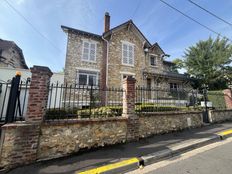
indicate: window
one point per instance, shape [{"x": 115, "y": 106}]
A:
[
  {"x": 125, "y": 76},
  {"x": 153, "y": 61},
  {"x": 157, "y": 84},
  {"x": 174, "y": 86},
  {"x": 127, "y": 54},
  {"x": 87, "y": 78},
  {"x": 89, "y": 51}
]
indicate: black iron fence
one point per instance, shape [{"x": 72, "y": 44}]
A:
[
  {"x": 75, "y": 101},
  {"x": 20, "y": 108},
  {"x": 161, "y": 100}
]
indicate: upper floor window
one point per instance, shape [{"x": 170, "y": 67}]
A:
[
  {"x": 153, "y": 61},
  {"x": 89, "y": 51},
  {"x": 127, "y": 53}
]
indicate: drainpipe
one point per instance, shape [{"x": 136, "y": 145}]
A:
[{"x": 107, "y": 50}]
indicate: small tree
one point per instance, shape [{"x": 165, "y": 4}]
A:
[{"x": 209, "y": 62}]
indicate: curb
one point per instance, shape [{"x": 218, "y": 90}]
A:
[
  {"x": 176, "y": 150},
  {"x": 135, "y": 163},
  {"x": 115, "y": 168},
  {"x": 225, "y": 134}
]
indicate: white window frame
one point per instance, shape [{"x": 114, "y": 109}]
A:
[
  {"x": 88, "y": 74},
  {"x": 95, "y": 55},
  {"x": 177, "y": 86},
  {"x": 133, "y": 53},
  {"x": 126, "y": 74},
  {"x": 156, "y": 60}
]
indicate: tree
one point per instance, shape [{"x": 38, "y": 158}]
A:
[{"x": 209, "y": 62}]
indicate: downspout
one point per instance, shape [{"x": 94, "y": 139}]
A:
[{"x": 107, "y": 50}]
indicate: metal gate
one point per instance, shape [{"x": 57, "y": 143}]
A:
[{"x": 13, "y": 99}]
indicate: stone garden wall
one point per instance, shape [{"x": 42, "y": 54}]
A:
[
  {"x": 157, "y": 123},
  {"x": 62, "y": 138},
  {"x": 216, "y": 116}
]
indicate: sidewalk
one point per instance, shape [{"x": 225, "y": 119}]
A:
[{"x": 87, "y": 160}]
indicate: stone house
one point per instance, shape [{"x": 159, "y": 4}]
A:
[
  {"x": 11, "y": 55},
  {"x": 122, "y": 51}
]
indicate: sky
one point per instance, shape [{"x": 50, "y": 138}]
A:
[{"x": 44, "y": 43}]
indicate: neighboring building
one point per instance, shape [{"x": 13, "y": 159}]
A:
[
  {"x": 119, "y": 52},
  {"x": 11, "y": 55}
]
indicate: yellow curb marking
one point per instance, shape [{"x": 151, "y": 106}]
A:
[
  {"x": 110, "y": 166},
  {"x": 227, "y": 132}
]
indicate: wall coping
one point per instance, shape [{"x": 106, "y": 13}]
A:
[
  {"x": 168, "y": 113},
  {"x": 221, "y": 110},
  {"x": 17, "y": 124},
  {"x": 82, "y": 121}
]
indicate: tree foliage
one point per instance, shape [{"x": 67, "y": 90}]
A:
[{"x": 209, "y": 62}]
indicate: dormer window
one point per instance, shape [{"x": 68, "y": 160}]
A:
[{"x": 153, "y": 61}]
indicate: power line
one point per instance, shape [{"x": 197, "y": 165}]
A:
[
  {"x": 136, "y": 9},
  {"x": 211, "y": 13},
  {"x": 28, "y": 22},
  {"x": 194, "y": 20}
]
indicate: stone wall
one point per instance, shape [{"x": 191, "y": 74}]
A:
[
  {"x": 63, "y": 138},
  {"x": 219, "y": 115},
  {"x": 157, "y": 123},
  {"x": 18, "y": 144}
]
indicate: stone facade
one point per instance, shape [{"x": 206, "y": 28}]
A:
[
  {"x": 109, "y": 54},
  {"x": 220, "y": 115},
  {"x": 61, "y": 139},
  {"x": 158, "y": 123},
  {"x": 74, "y": 61}
]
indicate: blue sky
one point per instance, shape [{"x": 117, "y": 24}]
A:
[{"x": 158, "y": 22}]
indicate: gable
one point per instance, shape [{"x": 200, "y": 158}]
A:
[{"x": 129, "y": 25}]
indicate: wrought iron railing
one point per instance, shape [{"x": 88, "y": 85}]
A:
[
  {"x": 75, "y": 101},
  {"x": 21, "y": 100}
]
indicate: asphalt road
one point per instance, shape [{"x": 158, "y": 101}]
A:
[{"x": 215, "y": 161}]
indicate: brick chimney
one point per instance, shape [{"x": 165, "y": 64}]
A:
[{"x": 107, "y": 22}]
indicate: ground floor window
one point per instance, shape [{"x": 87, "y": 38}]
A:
[
  {"x": 174, "y": 86},
  {"x": 89, "y": 78}
]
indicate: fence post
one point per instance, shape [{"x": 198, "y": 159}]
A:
[
  {"x": 38, "y": 94},
  {"x": 228, "y": 98},
  {"x": 20, "y": 140},
  {"x": 129, "y": 109}
]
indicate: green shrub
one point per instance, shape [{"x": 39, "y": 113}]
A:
[{"x": 217, "y": 99}]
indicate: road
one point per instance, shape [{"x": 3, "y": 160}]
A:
[{"x": 212, "y": 159}]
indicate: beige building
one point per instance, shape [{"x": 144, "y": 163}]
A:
[
  {"x": 119, "y": 52},
  {"x": 11, "y": 55}
]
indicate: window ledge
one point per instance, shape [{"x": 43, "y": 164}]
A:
[
  {"x": 128, "y": 65},
  {"x": 89, "y": 61}
]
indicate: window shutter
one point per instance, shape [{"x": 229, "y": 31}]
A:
[
  {"x": 125, "y": 53},
  {"x": 85, "y": 55},
  {"x": 131, "y": 55},
  {"x": 92, "y": 51}
]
